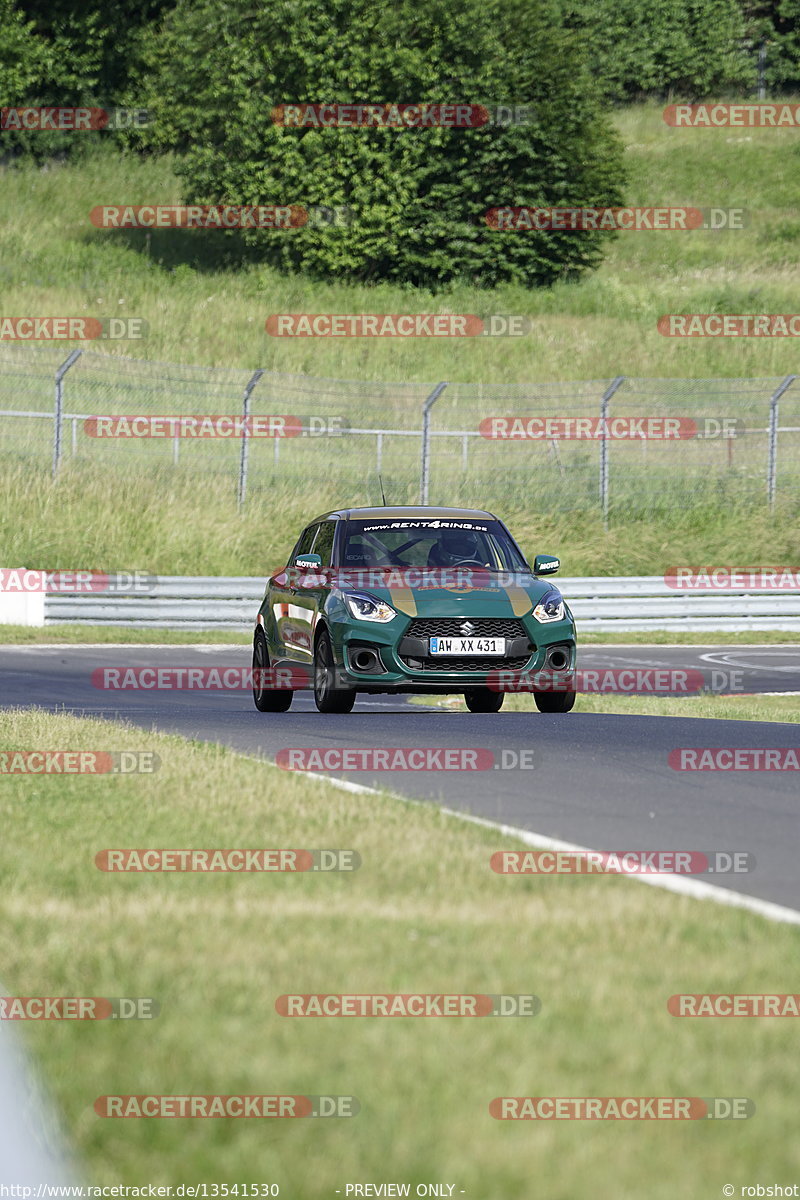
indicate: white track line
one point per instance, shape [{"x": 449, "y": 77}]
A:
[{"x": 695, "y": 888}]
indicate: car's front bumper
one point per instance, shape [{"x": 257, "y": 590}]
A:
[{"x": 404, "y": 665}]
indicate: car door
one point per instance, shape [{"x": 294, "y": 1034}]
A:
[
  {"x": 289, "y": 614},
  {"x": 314, "y": 585}
]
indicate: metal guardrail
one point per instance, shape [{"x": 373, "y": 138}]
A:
[{"x": 605, "y": 603}]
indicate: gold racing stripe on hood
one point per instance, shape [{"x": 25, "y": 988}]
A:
[
  {"x": 519, "y": 600},
  {"x": 402, "y": 598}
]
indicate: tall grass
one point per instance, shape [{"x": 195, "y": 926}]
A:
[
  {"x": 206, "y": 301},
  {"x": 174, "y": 522}
]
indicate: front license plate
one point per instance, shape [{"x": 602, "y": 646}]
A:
[{"x": 467, "y": 645}]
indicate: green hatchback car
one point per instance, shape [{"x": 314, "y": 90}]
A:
[{"x": 414, "y": 599}]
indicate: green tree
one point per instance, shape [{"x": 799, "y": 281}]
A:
[
  {"x": 418, "y": 197},
  {"x": 25, "y": 58},
  {"x": 62, "y": 53},
  {"x": 776, "y": 24},
  {"x": 97, "y": 46},
  {"x": 688, "y": 48}
]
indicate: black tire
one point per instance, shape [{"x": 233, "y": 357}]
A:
[
  {"x": 483, "y": 700},
  {"x": 554, "y": 702},
  {"x": 327, "y": 697},
  {"x": 267, "y": 699}
]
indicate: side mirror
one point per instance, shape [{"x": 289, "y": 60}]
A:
[
  {"x": 308, "y": 560},
  {"x": 545, "y": 564}
]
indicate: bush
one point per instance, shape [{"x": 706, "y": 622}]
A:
[
  {"x": 688, "y": 49},
  {"x": 418, "y": 196},
  {"x": 781, "y": 31},
  {"x": 57, "y": 53}
]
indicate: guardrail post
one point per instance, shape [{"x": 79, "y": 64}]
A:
[
  {"x": 772, "y": 453},
  {"x": 243, "y": 454},
  {"x": 59, "y": 408},
  {"x": 609, "y": 392},
  {"x": 426, "y": 441}
]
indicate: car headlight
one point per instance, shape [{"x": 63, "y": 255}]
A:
[
  {"x": 550, "y": 607},
  {"x": 367, "y": 608}
]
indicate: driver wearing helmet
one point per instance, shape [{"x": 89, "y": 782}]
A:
[{"x": 455, "y": 546}]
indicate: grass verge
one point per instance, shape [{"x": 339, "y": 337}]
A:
[
  {"x": 104, "y": 634},
  {"x": 720, "y": 708},
  {"x": 424, "y": 913}
]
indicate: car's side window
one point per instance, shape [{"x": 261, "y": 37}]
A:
[
  {"x": 304, "y": 544},
  {"x": 324, "y": 542}
]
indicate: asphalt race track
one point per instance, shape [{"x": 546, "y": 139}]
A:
[{"x": 599, "y": 781}]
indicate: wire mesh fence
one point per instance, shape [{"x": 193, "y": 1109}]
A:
[
  {"x": 624, "y": 446},
  {"x": 652, "y": 445}
]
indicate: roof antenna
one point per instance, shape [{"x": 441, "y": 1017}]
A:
[{"x": 383, "y": 498}]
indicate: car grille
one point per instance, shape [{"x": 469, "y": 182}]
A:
[
  {"x": 453, "y": 666},
  {"x": 505, "y": 627}
]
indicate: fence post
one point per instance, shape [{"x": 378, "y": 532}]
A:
[
  {"x": 59, "y": 409},
  {"x": 607, "y": 394},
  {"x": 251, "y": 383},
  {"x": 772, "y": 454},
  {"x": 762, "y": 70},
  {"x": 426, "y": 440}
]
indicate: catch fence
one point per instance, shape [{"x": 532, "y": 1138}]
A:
[{"x": 626, "y": 446}]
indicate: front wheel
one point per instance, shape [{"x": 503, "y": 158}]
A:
[
  {"x": 266, "y": 699},
  {"x": 483, "y": 700},
  {"x": 554, "y": 702},
  {"x": 327, "y": 697}
]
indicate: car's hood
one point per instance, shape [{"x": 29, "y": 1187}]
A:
[{"x": 481, "y": 594}]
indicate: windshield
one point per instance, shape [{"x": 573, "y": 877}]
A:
[{"x": 429, "y": 542}]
